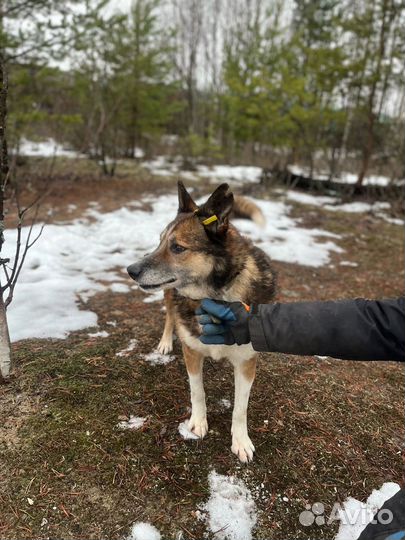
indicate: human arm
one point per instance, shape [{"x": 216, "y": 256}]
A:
[{"x": 349, "y": 329}]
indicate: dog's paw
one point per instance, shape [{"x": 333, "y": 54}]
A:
[
  {"x": 165, "y": 345},
  {"x": 198, "y": 426},
  {"x": 243, "y": 447}
]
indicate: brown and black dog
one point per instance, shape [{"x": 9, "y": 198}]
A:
[{"x": 201, "y": 255}]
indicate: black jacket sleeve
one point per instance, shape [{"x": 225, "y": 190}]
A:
[
  {"x": 384, "y": 528},
  {"x": 348, "y": 329}
]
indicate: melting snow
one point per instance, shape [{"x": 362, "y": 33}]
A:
[
  {"x": 70, "y": 260},
  {"x": 225, "y": 403},
  {"x": 233, "y": 174},
  {"x": 153, "y": 297},
  {"x": 134, "y": 422},
  {"x": 389, "y": 219},
  {"x": 143, "y": 531},
  {"x": 284, "y": 240},
  {"x": 185, "y": 432},
  {"x": 119, "y": 287},
  {"x": 332, "y": 204},
  {"x": 345, "y": 177},
  {"x": 355, "y": 515},
  {"x": 358, "y": 207},
  {"x": 131, "y": 346},
  {"x": 156, "y": 358},
  {"x": 47, "y": 148},
  {"x": 101, "y": 333},
  {"x": 306, "y": 198},
  {"x": 230, "y": 510}
]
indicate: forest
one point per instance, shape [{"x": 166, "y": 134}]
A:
[{"x": 317, "y": 83}]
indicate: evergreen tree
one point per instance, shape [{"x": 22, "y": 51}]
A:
[{"x": 142, "y": 71}]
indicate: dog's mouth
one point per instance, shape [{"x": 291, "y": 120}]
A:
[{"x": 155, "y": 286}]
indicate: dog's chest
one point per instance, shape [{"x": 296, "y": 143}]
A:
[{"x": 233, "y": 353}]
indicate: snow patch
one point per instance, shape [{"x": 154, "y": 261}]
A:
[
  {"x": 101, "y": 333},
  {"x": 134, "y": 422},
  {"x": 332, "y": 204},
  {"x": 233, "y": 174},
  {"x": 119, "y": 287},
  {"x": 348, "y": 263},
  {"x": 230, "y": 510},
  {"x": 157, "y": 359},
  {"x": 225, "y": 403},
  {"x": 344, "y": 177},
  {"x": 156, "y": 296},
  {"x": 358, "y": 207},
  {"x": 47, "y": 148},
  {"x": 355, "y": 515},
  {"x": 143, "y": 531},
  {"x": 238, "y": 174},
  {"x": 139, "y": 153},
  {"x": 185, "y": 432},
  {"x": 306, "y": 198},
  {"x": 283, "y": 240},
  {"x": 388, "y": 219},
  {"x": 131, "y": 346}
]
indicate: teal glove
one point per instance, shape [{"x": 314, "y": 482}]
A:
[{"x": 223, "y": 323}]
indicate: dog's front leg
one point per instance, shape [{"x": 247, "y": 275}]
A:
[
  {"x": 194, "y": 363},
  {"x": 245, "y": 372},
  {"x": 166, "y": 343}
]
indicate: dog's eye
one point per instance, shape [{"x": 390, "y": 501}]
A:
[{"x": 177, "y": 248}]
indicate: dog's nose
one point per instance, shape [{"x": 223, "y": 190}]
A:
[{"x": 134, "y": 270}]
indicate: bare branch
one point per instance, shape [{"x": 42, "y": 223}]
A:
[{"x": 17, "y": 267}]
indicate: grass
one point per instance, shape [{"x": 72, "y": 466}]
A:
[{"x": 323, "y": 429}]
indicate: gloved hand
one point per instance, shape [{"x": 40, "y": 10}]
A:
[{"x": 223, "y": 323}]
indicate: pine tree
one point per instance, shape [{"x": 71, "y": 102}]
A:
[{"x": 142, "y": 71}]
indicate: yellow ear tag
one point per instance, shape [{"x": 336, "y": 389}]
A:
[{"x": 210, "y": 220}]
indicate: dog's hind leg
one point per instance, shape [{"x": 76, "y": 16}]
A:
[
  {"x": 166, "y": 342},
  {"x": 245, "y": 372},
  {"x": 194, "y": 362}
]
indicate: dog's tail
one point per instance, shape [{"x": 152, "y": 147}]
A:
[{"x": 247, "y": 209}]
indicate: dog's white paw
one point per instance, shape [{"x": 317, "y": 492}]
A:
[
  {"x": 165, "y": 345},
  {"x": 199, "y": 426},
  {"x": 243, "y": 447}
]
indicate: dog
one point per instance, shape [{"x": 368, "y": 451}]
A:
[
  {"x": 241, "y": 208},
  {"x": 202, "y": 255}
]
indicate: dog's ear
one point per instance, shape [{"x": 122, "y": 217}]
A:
[
  {"x": 215, "y": 211},
  {"x": 186, "y": 203}
]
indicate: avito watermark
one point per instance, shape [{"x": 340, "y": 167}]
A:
[{"x": 315, "y": 514}]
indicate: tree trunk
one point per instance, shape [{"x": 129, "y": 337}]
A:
[
  {"x": 5, "y": 349},
  {"x": 343, "y": 145},
  {"x": 368, "y": 149}
]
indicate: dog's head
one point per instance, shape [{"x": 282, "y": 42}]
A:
[{"x": 191, "y": 248}]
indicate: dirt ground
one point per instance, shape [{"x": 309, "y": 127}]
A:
[{"x": 323, "y": 429}]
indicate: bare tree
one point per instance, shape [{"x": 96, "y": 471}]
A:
[
  {"x": 5, "y": 357},
  {"x": 10, "y": 269},
  {"x": 189, "y": 17}
]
